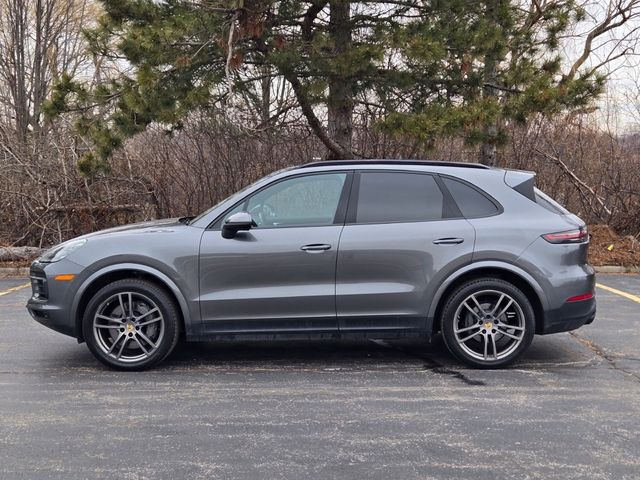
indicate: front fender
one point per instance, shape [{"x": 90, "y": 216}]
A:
[{"x": 189, "y": 315}]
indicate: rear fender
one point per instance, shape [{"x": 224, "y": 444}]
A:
[{"x": 468, "y": 270}]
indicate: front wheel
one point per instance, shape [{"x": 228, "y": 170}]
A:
[
  {"x": 131, "y": 324},
  {"x": 488, "y": 323}
]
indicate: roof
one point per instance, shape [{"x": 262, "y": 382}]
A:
[{"x": 432, "y": 163}]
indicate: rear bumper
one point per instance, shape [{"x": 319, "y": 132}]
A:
[
  {"x": 562, "y": 273},
  {"x": 570, "y": 316}
]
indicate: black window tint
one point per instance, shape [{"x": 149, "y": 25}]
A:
[
  {"x": 398, "y": 197},
  {"x": 471, "y": 202}
]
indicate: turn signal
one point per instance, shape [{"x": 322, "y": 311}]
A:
[{"x": 67, "y": 277}]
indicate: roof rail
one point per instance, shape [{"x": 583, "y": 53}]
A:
[{"x": 432, "y": 163}]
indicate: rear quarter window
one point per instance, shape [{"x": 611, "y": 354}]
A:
[
  {"x": 549, "y": 203},
  {"x": 471, "y": 202}
]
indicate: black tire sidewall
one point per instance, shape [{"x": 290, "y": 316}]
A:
[
  {"x": 460, "y": 294},
  {"x": 164, "y": 302}
]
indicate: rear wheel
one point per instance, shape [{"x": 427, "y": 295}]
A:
[
  {"x": 131, "y": 324},
  {"x": 488, "y": 323}
]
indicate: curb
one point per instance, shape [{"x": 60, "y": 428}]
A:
[
  {"x": 616, "y": 269},
  {"x": 14, "y": 272}
]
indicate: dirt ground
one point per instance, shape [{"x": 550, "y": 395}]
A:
[{"x": 609, "y": 248}]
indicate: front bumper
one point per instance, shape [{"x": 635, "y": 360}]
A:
[
  {"x": 51, "y": 300},
  {"x": 52, "y": 316}
]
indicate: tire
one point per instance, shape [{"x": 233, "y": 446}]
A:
[
  {"x": 491, "y": 331},
  {"x": 131, "y": 324}
]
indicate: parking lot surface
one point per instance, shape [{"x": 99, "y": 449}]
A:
[{"x": 569, "y": 409}]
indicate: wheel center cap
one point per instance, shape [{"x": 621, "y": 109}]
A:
[
  {"x": 488, "y": 325},
  {"x": 130, "y": 327}
]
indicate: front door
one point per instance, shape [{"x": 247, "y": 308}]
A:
[{"x": 279, "y": 276}]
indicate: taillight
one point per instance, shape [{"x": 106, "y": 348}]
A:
[
  {"x": 579, "y": 298},
  {"x": 570, "y": 236}
]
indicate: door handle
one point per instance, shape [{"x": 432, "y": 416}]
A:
[
  {"x": 448, "y": 241},
  {"x": 315, "y": 247}
]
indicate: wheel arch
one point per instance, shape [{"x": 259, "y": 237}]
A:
[
  {"x": 112, "y": 273},
  {"x": 511, "y": 273}
]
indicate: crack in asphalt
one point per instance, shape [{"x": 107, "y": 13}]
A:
[
  {"x": 455, "y": 374},
  {"x": 624, "y": 357},
  {"x": 599, "y": 351},
  {"x": 432, "y": 365}
]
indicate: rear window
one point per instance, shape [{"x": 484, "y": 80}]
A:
[
  {"x": 471, "y": 202},
  {"x": 386, "y": 197},
  {"x": 549, "y": 203}
]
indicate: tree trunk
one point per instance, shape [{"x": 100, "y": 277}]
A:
[
  {"x": 340, "y": 101},
  {"x": 265, "y": 95},
  {"x": 488, "y": 150}
]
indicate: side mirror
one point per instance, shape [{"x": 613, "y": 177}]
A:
[{"x": 235, "y": 223}]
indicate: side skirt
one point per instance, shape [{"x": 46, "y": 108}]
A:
[{"x": 382, "y": 334}]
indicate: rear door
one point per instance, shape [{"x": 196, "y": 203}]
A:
[{"x": 402, "y": 235}]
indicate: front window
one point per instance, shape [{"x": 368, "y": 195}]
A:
[{"x": 310, "y": 200}]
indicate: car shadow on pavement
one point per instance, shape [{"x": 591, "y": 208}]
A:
[
  {"x": 344, "y": 354},
  {"x": 327, "y": 355},
  {"x": 310, "y": 354}
]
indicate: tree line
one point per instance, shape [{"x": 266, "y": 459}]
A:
[{"x": 119, "y": 110}]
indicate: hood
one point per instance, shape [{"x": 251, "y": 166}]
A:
[{"x": 153, "y": 226}]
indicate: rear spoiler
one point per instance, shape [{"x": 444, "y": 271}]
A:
[{"x": 521, "y": 181}]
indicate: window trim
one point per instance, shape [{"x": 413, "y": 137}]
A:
[
  {"x": 338, "y": 219},
  {"x": 451, "y": 208},
  {"x": 499, "y": 207}
]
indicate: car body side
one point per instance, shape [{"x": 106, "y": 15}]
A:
[{"x": 168, "y": 252}]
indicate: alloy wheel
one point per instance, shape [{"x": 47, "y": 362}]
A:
[
  {"x": 489, "y": 325},
  {"x": 128, "y": 327}
]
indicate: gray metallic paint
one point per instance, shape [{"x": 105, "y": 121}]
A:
[
  {"x": 469, "y": 269},
  {"x": 387, "y": 273},
  {"x": 374, "y": 278},
  {"x": 164, "y": 249},
  {"x": 188, "y": 309},
  {"x": 263, "y": 277}
]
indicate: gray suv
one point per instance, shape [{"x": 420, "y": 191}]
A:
[{"x": 373, "y": 249}]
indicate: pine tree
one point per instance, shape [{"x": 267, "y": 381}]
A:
[
  {"x": 488, "y": 63},
  {"x": 439, "y": 67}
]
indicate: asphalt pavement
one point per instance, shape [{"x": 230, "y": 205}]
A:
[{"x": 569, "y": 409}]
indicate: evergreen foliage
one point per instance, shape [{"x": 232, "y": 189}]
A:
[{"x": 434, "y": 67}]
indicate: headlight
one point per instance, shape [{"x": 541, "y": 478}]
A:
[{"x": 60, "y": 251}]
